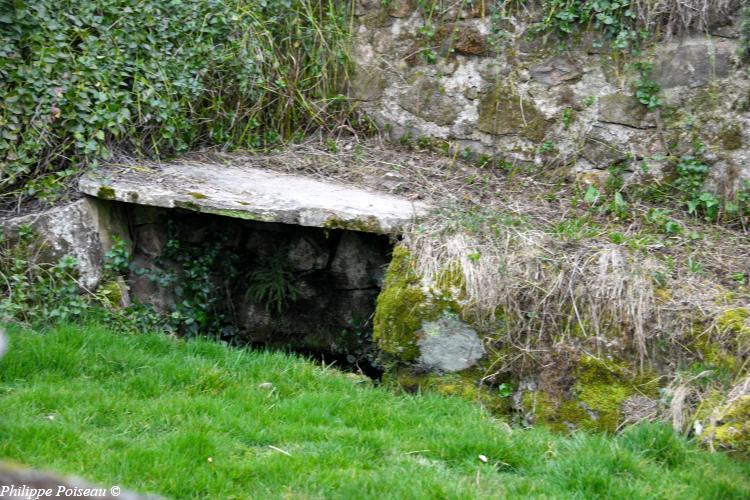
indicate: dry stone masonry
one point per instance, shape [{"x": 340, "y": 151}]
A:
[{"x": 540, "y": 105}]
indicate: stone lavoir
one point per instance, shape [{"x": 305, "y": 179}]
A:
[
  {"x": 255, "y": 256},
  {"x": 262, "y": 258}
]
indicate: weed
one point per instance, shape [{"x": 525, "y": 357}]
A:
[
  {"x": 659, "y": 218},
  {"x": 592, "y": 196},
  {"x": 547, "y": 147},
  {"x": 117, "y": 259},
  {"x": 37, "y": 292},
  {"x": 705, "y": 203},
  {"x": 272, "y": 283},
  {"x": 646, "y": 89},
  {"x": 694, "y": 266},
  {"x": 739, "y": 277},
  {"x": 691, "y": 174},
  {"x": 331, "y": 146},
  {"x": 568, "y": 115}
]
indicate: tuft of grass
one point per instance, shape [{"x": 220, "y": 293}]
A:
[{"x": 195, "y": 419}]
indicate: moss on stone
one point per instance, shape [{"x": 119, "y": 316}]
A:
[
  {"x": 450, "y": 285},
  {"x": 731, "y": 136},
  {"x": 197, "y": 196},
  {"x": 709, "y": 403},
  {"x": 366, "y": 225},
  {"x": 112, "y": 293},
  {"x": 400, "y": 308},
  {"x": 713, "y": 353},
  {"x": 735, "y": 321},
  {"x": 464, "y": 385},
  {"x": 600, "y": 388},
  {"x": 504, "y": 112},
  {"x": 405, "y": 304},
  {"x": 188, "y": 205},
  {"x": 731, "y": 430},
  {"x": 543, "y": 409},
  {"x": 106, "y": 193}
]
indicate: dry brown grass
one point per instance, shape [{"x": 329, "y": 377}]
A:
[
  {"x": 676, "y": 17},
  {"x": 666, "y": 18}
]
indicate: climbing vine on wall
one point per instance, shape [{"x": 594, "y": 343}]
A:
[{"x": 81, "y": 77}]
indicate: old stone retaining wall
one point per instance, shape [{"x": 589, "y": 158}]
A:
[{"x": 557, "y": 104}]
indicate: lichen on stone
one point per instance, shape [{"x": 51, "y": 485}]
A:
[
  {"x": 504, "y": 112},
  {"x": 106, "y": 193},
  {"x": 406, "y": 302},
  {"x": 731, "y": 136}
]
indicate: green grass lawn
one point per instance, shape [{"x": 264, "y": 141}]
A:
[{"x": 191, "y": 419}]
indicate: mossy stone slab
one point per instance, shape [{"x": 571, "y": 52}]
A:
[{"x": 254, "y": 194}]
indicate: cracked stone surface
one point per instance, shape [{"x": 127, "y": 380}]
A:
[{"x": 254, "y": 194}]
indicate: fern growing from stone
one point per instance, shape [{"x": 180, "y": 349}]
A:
[{"x": 272, "y": 284}]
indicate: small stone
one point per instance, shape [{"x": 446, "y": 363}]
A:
[
  {"x": 622, "y": 109},
  {"x": 81, "y": 229},
  {"x": 401, "y": 8},
  {"x": 359, "y": 262},
  {"x": 471, "y": 93},
  {"x": 265, "y": 385},
  {"x": 503, "y": 112},
  {"x": 694, "y": 63},
  {"x": 468, "y": 40},
  {"x": 427, "y": 100},
  {"x": 367, "y": 83},
  {"x": 483, "y": 459},
  {"x": 555, "y": 70},
  {"x": 145, "y": 287},
  {"x": 151, "y": 239},
  {"x": 449, "y": 345},
  {"x": 307, "y": 254}
]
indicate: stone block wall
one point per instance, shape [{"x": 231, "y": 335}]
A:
[
  {"x": 333, "y": 276},
  {"x": 553, "y": 104}
]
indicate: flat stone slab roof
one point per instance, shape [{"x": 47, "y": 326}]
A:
[{"x": 254, "y": 194}]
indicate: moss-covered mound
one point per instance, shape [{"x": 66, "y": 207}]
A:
[{"x": 578, "y": 332}]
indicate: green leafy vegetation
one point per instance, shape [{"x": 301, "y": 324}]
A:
[
  {"x": 207, "y": 420},
  {"x": 79, "y": 78},
  {"x": 191, "y": 270},
  {"x": 272, "y": 283},
  {"x": 647, "y": 90},
  {"x": 615, "y": 20},
  {"x": 33, "y": 292}
]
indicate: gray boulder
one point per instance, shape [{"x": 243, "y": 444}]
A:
[
  {"x": 449, "y": 345},
  {"x": 84, "y": 229}
]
